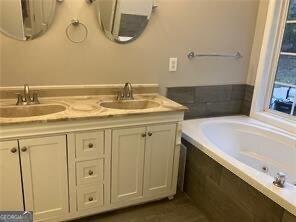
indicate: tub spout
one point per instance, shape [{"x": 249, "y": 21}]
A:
[{"x": 280, "y": 180}]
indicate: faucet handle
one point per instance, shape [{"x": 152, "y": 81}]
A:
[
  {"x": 35, "y": 99},
  {"x": 280, "y": 179},
  {"x": 119, "y": 95},
  {"x": 20, "y": 99},
  {"x": 281, "y": 176}
]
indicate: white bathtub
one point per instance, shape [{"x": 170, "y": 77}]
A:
[{"x": 246, "y": 146}]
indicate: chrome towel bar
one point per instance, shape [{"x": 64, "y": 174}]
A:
[{"x": 192, "y": 55}]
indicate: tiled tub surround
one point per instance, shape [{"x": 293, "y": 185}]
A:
[
  {"x": 247, "y": 100},
  {"x": 224, "y": 168},
  {"x": 223, "y": 196},
  {"x": 217, "y": 100}
]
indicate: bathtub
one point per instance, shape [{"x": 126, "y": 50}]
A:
[{"x": 252, "y": 150}]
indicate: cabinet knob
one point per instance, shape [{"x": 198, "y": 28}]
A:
[
  {"x": 13, "y": 150},
  {"x": 143, "y": 134},
  {"x": 24, "y": 149},
  {"x": 90, "y": 172},
  {"x": 90, "y": 199},
  {"x": 90, "y": 145},
  {"x": 149, "y": 134}
]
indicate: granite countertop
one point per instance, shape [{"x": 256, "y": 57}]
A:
[{"x": 86, "y": 107}]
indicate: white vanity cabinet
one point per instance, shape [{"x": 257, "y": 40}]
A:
[
  {"x": 89, "y": 171},
  {"x": 128, "y": 149},
  {"x": 142, "y": 162},
  {"x": 11, "y": 195},
  {"x": 44, "y": 173},
  {"x": 42, "y": 162},
  {"x": 71, "y": 169},
  {"x": 159, "y": 159}
]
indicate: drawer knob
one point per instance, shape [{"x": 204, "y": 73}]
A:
[
  {"x": 90, "y": 172},
  {"x": 90, "y": 145},
  {"x": 149, "y": 134},
  {"x": 90, "y": 199},
  {"x": 143, "y": 134},
  {"x": 24, "y": 149},
  {"x": 13, "y": 150}
]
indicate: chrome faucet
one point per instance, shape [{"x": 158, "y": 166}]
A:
[
  {"x": 126, "y": 93},
  {"x": 280, "y": 180},
  {"x": 27, "y": 98}
]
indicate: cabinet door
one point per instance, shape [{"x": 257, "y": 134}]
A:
[
  {"x": 127, "y": 164},
  {"x": 11, "y": 196},
  {"x": 159, "y": 158},
  {"x": 44, "y": 168}
]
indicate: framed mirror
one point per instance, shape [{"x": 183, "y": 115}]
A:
[
  {"x": 123, "y": 21},
  {"x": 26, "y": 19}
]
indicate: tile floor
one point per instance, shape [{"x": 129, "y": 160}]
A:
[{"x": 180, "y": 209}]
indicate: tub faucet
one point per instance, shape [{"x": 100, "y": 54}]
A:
[
  {"x": 27, "y": 98},
  {"x": 280, "y": 180},
  {"x": 126, "y": 93}
]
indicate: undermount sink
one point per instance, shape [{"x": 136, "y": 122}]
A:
[
  {"x": 130, "y": 104},
  {"x": 30, "y": 110}
]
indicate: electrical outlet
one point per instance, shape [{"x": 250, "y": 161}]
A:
[{"x": 173, "y": 64}]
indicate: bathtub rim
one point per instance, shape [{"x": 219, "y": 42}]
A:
[{"x": 285, "y": 197}]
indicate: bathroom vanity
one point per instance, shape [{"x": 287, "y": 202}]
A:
[{"x": 89, "y": 158}]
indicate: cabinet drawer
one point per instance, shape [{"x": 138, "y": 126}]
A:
[
  {"x": 90, "y": 144},
  {"x": 90, "y": 171},
  {"x": 90, "y": 196}
]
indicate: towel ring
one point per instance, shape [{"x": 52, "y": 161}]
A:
[{"x": 76, "y": 23}]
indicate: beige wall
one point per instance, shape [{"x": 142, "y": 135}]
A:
[
  {"x": 257, "y": 43},
  {"x": 175, "y": 27}
]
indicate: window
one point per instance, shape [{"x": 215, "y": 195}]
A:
[
  {"x": 275, "y": 87},
  {"x": 283, "y": 96}
]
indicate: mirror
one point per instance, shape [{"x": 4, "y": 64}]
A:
[
  {"x": 123, "y": 21},
  {"x": 26, "y": 19}
]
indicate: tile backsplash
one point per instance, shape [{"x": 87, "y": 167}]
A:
[{"x": 217, "y": 100}]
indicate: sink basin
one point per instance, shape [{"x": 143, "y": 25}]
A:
[
  {"x": 130, "y": 104},
  {"x": 29, "y": 111}
]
